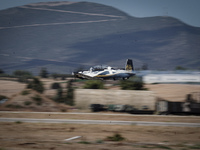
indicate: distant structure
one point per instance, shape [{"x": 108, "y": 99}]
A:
[{"x": 171, "y": 78}]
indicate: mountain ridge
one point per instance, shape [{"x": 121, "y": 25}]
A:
[{"x": 64, "y": 36}]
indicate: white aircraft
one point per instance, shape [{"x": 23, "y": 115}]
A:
[{"x": 107, "y": 72}]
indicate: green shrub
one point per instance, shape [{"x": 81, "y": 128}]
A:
[
  {"x": 22, "y": 73},
  {"x": 22, "y": 79},
  {"x": 69, "y": 100},
  {"x": 63, "y": 110},
  {"x": 197, "y": 146},
  {"x": 14, "y": 106},
  {"x": 134, "y": 84},
  {"x": 115, "y": 137},
  {"x": 99, "y": 141},
  {"x": 180, "y": 68},
  {"x": 3, "y": 97},
  {"x": 18, "y": 122},
  {"x": 9, "y": 105},
  {"x": 37, "y": 99},
  {"x": 84, "y": 142},
  {"x": 36, "y": 85},
  {"x": 162, "y": 147},
  {"x": 94, "y": 84},
  {"x": 70, "y": 97},
  {"x": 59, "y": 96},
  {"x": 55, "y": 86},
  {"x": 1, "y": 71},
  {"x": 27, "y": 103},
  {"x": 25, "y": 92},
  {"x": 43, "y": 73}
]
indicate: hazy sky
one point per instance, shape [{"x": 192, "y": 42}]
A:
[{"x": 187, "y": 11}]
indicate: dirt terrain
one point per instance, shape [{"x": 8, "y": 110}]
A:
[
  {"x": 10, "y": 88},
  {"x": 46, "y": 136},
  {"x": 13, "y": 90},
  {"x": 174, "y": 92},
  {"x": 41, "y": 136},
  {"x": 22, "y": 99}
]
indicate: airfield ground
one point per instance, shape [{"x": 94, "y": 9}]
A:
[
  {"x": 47, "y": 136},
  {"x": 44, "y": 136},
  {"x": 102, "y": 116}
]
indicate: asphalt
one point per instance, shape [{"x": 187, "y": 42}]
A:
[
  {"x": 104, "y": 114},
  {"x": 106, "y": 122}
]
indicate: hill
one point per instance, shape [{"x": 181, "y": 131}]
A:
[
  {"x": 29, "y": 100},
  {"x": 63, "y": 36}
]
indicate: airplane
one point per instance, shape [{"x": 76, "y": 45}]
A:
[{"x": 107, "y": 72}]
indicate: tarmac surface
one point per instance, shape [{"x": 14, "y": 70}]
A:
[{"x": 75, "y": 121}]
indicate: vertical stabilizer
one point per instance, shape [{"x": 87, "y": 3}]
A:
[{"x": 129, "y": 65}]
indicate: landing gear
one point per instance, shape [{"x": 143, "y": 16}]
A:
[{"x": 125, "y": 78}]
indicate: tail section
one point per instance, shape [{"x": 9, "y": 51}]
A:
[{"x": 129, "y": 65}]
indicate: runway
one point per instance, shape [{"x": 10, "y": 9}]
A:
[
  {"x": 105, "y": 122},
  {"x": 98, "y": 114}
]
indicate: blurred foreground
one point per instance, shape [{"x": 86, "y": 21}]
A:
[{"x": 43, "y": 136}]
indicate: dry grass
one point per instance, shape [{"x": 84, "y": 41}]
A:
[
  {"x": 25, "y": 136},
  {"x": 173, "y": 92},
  {"x": 25, "y": 102},
  {"x": 10, "y": 88},
  {"x": 41, "y": 136},
  {"x": 13, "y": 89}
]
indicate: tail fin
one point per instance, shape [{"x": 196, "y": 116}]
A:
[{"x": 129, "y": 65}]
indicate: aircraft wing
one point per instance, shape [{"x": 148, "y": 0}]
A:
[{"x": 83, "y": 76}]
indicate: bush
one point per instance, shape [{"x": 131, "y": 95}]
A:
[
  {"x": 55, "y": 86},
  {"x": 18, "y": 122},
  {"x": 70, "y": 97},
  {"x": 62, "y": 76},
  {"x": 25, "y": 92},
  {"x": 43, "y": 73},
  {"x": 27, "y": 103},
  {"x": 14, "y": 106},
  {"x": 59, "y": 95},
  {"x": 84, "y": 142},
  {"x": 115, "y": 137},
  {"x": 94, "y": 84},
  {"x": 1, "y": 71},
  {"x": 180, "y": 68},
  {"x": 22, "y": 73},
  {"x": 70, "y": 94},
  {"x": 134, "y": 84},
  {"x": 3, "y": 97},
  {"x": 36, "y": 85},
  {"x": 22, "y": 79},
  {"x": 37, "y": 99}
]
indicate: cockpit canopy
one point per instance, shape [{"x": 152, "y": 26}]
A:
[{"x": 100, "y": 67}]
